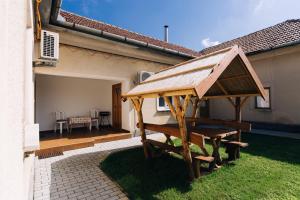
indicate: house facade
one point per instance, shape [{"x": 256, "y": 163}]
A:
[
  {"x": 90, "y": 65},
  {"x": 94, "y": 57},
  {"x": 274, "y": 53}
]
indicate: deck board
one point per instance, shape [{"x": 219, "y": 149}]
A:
[{"x": 80, "y": 138}]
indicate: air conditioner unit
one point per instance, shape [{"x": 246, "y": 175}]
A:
[
  {"x": 49, "y": 45},
  {"x": 143, "y": 75}
]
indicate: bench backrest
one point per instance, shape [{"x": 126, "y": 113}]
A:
[{"x": 194, "y": 138}]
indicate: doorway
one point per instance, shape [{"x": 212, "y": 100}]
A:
[{"x": 116, "y": 106}]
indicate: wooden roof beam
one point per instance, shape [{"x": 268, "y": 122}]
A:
[
  {"x": 182, "y": 92},
  {"x": 232, "y": 95},
  {"x": 234, "y": 77},
  {"x": 225, "y": 92}
]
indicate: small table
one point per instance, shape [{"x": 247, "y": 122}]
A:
[
  {"x": 80, "y": 120},
  {"x": 104, "y": 115}
]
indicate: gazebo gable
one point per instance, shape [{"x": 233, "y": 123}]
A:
[
  {"x": 225, "y": 73},
  {"x": 233, "y": 76}
]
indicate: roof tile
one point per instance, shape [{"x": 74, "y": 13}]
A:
[
  {"x": 77, "y": 19},
  {"x": 271, "y": 37}
]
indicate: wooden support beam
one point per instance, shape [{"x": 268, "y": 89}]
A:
[
  {"x": 244, "y": 101},
  {"x": 234, "y": 77},
  {"x": 167, "y": 100},
  {"x": 185, "y": 104},
  {"x": 184, "y": 135},
  {"x": 238, "y": 118},
  {"x": 138, "y": 103},
  {"x": 225, "y": 92},
  {"x": 232, "y": 96},
  {"x": 155, "y": 94},
  {"x": 195, "y": 109}
]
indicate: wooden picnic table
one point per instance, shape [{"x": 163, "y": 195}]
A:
[
  {"x": 196, "y": 135},
  {"x": 215, "y": 135}
]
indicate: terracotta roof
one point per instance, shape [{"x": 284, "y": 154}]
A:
[
  {"x": 272, "y": 37},
  {"x": 80, "y": 20}
]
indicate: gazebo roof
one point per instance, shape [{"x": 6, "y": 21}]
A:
[{"x": 224, "y": 73}]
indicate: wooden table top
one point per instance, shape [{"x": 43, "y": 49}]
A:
[
  {"x": 213, "y": 132},
  {"x": 208, "y": 132}
]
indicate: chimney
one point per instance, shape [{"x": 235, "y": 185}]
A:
[{"x": 166, "y": 33}]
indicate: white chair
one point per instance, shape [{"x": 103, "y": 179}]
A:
[
  {"x": 95, "y": 117},
  {"x": 61, "y": 121}
]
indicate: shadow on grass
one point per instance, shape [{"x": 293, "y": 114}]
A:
[
  {"x": 275, "y": 148},
  {"x": 143, "y": 179},
  {"x": 167, "y": 175}
]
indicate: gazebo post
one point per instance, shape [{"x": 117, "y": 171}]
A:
[
  {"x": 238, "y": 118},
  {"x": 195, "y": 106},
  {"x": 138, "y": 103},
  {"x": 180, "y": 116}
]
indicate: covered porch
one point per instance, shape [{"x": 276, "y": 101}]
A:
[{"x": 63, "y": 101}]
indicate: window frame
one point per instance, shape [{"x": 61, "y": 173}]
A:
[
  {"x": 270, "y": 102},
  {"x": 164, "y": 108}
]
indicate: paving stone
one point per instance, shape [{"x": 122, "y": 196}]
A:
[{"x": 76, "y": 174}]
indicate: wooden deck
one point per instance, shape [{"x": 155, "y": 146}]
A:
[{"x": 78, "y": 138}]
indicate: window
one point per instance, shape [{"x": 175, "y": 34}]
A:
[
  {"x": 161, "y": 105},
  {"x": 260, "y": 103}
]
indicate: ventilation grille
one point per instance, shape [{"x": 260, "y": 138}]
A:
[
  {"x": 49, "y": 45},
  {"x": 49, "y": 154}
]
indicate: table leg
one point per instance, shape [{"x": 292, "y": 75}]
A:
[{"x": 216, "y": 142}]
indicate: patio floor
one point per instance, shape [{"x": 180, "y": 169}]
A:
[
  {"x": 51, "y": 143},
  {"x": 77, "y": 175}
]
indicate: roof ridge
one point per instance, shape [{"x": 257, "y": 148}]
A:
[
  {"x": 293, "y": 20},
  {"x": 253, "y": 33},
  {"x": 139, "y": 34}
]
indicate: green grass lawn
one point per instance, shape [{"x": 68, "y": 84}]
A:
[{"x": 268, "y": 169}]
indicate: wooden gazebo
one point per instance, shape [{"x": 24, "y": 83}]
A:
[{"x": 223, "y": 74}]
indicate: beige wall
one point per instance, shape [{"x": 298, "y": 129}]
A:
[
  {"x": 279, "y": 70},
  {"x": 80, "y": 62},
  {"x": 74, "y": 96}
]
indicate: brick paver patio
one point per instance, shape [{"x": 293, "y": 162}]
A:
[{"x": 76, "y": 174}]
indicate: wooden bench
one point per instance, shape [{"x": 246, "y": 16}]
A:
[
  {"x": 232, "y": 148},
  {"x": 163, "y": 146},
  {"x": 196, "y": 157},
  {"x": 197, "y": 160}
]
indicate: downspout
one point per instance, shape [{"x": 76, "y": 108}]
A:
[{"x": 56, "y": 5}]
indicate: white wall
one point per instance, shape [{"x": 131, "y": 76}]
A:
[
  {"x": 15, "y": 54},
  {"x": 74, "y": 96}
]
